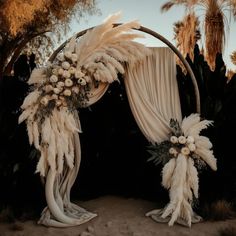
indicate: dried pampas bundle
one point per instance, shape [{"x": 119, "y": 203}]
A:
[
  {"x": 50, "y": 111},
  {"x": 180, "y": 174}
]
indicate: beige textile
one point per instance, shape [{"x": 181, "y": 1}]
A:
[
  {"x": 153, "y": 95},
  {"x": 97, "y": 92}
]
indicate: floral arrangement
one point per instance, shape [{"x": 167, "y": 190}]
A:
[
  {"x": 84, "y": 66},
  {"x": 184, "y": 153},
  {"x": 63, "y": 86}
]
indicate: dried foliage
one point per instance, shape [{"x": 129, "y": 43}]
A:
[
  {"x": 23, "y": 20},
  {"x": 187, "y": 3},
  {"x": 187, "y": 33},
  {"x": 215, "y": 22},
  {"x": 214, "y": 30},
  {"x": 18, "y": 15}
]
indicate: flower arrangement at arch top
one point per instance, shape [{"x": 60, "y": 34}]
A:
[{"x": 64, "y": 84}]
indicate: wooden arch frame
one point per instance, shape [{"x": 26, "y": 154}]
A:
[
  {"x": 60, "y": 212},
  {"x": 161, "y": 38}
]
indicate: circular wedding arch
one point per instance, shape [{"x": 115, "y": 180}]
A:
[{"x": 63, "y": 212}]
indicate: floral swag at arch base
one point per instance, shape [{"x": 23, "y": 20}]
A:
[{"x": 78, "y": 77}]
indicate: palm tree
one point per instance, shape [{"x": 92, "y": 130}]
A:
[
  {"x": 188, "y": 26},
  {"x": 214, "y": 22}
]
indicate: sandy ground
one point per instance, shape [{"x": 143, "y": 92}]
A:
[{"x": 116, "y": 217}]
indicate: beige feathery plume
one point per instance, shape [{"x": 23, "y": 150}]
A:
[
  {"x": 203, "y": 142},
  {"x": 90, "y": 41},
  {"x": 59, "y": 141},
  {"x": 103, "y": 49},
  {"x": 46, "y": 131},
  {"x": 30, "y": 131},
  {"x": 189, "y": 122},
  {"x": 193, "y": 177},
  {"x": 70, "y": 155},
  {"x": 36, "y": 135},
  {"x": 71, "y": 46},
  {"x": 167, "y": 173},
  {"x": 37, "y": 76},
  {"x": 195, "y": 129},
  {"x": 176, "y": 190},
  {"x": 42, "y": 165},
  {"x": 26, "y": 114},
  {"x": 207, "y": 156},
  {"x": 51, "y": 154}
]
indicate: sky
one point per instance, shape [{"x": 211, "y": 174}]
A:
[{"x": 148, "y": 13}]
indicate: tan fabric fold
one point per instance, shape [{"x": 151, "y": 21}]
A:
[{"x": 153, "y": 95}]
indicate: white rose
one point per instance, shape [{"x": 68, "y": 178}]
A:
[
  {"x": 60, "y": 57},
  {"x": 58, "y": 103},
  {"x": 65, "y": 65},
  {"x": 48, "y": 88},
  {"x": 44, "y": 101},
  {"x": 53, "y": 79},
  {"x": 182, "y": 140},
  {"x": 174, "y": 139},
  {"x": 72, "y": 70},
  {"x": 54, "y": 71},
  {"x": 173, "y": 151},
  {"x": 82, "y": 81},
  {"x": 67, "y": 92},
  {"x": 75, "y": 89},
  {"x": 60, "y": 71},
  {"x": 190, "y": 139},
  {"x": 68, "y": 54},
  {"x": 60, "y": 84},
  {"x": 66, "y": 74},
  {"x": 185, "y": 151},
  {"x": 57, "y": 90},
  {"x": 79, "y": 74},
  {"x": 54, "y": 96},
  {"x": 68, "y": 82},
  {"x": 192, "y": 147},
  {"x": 74, "y": 57}
]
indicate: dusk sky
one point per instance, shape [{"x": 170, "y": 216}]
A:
[{"x": 149, "y": 15}]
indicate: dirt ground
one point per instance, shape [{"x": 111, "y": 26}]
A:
[{"x": 117, "y": 216}]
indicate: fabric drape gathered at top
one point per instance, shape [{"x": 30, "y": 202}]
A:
[
  {"x": 96, "y": 93},
  {"x": 153, "y": 95}
]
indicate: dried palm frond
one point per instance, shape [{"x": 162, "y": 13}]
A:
[
  {"x": 233, "y": 57},
  {"x": 214, "y": 30},
  {"x": 215, "y": 23},
  {"x": 187, "y": 33},
  {"x": 188, "y": 4}
]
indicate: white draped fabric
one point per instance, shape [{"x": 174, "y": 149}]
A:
[{"x": 153, "y": 95}]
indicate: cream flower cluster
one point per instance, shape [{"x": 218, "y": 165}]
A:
[
  {"x": 182, "y": 144},
  {"x": 65, "y": 79}
]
